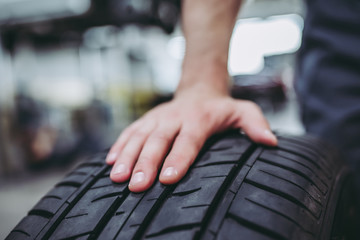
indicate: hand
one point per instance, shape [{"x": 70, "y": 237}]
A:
[{"x": 173, "y": 133}]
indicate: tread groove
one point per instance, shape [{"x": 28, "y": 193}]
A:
[
  {"x": 180, "y": 194},
  {"x": 69, "y": 183},
  {"x": 235, "y": 189},
  {"x": 225, "y": 186},
  {"x": 76, "y": 236},
  {"x": 22, "y": 232},
  {"x": 127, "y": 218},
  {"x": 300, "y": 163},
  {"x": 42, "y": 213},
  {"x": 119, "y": 213},
  {"x": 52, "y": 196},
  {"x": 102, "y": 186},
  {"x": 291, "y": 170},
  {"x": 196, "y": 206},
  {"x": 306, "y": 149},
  {"x": 255, "y": 227},
  {"x": 74, "y": 216},
  {"x": 91, "y": 164},
  {"x": 114, "y": 194},
  {"x": 104, "y": 176},
  {"x": 219, "y": 149},
  {"x": 282, "y": 194},
  {"x": 140, "y": 234},
  {"x": 288, "y": 181},
  {"x": 303, "y": 156},
  {"x": 287, "y": 158},
  {"x": 81, "y": 192},
  {"x": 79, "y": 173},
  {"x": 219, "y": 176},
  {"x": 135, "y": 225},
  {"x": 152, "y": 199},
  {"x": 109, "y": 213},
  {"x": 297, "y": 142},
  {"x": 172, "y": 229},
  {"x": 215, "y": 164},
  {"x": 281, "y": 214}
]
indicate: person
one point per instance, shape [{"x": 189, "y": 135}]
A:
[
  {"x": 201, "y": 106},
  {"x": 170, "y": 136},
  {"x": 328, "y": 77}
]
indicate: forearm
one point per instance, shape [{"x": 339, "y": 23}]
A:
[{"x": 207, "y": 26}]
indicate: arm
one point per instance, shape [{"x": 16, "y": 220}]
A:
[{"x": 201, "y": 107}]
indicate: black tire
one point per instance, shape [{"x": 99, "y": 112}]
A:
[{"x": 235, "y": 190}]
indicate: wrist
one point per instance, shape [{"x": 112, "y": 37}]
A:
[
  {"x": 208, "y": 87},
  {"x": 205, "y": 75}
]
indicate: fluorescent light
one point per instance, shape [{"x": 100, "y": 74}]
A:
[{"x": 253, "y": 39}]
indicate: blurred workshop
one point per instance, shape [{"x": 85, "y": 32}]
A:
[{"x": 74, "y": 73}]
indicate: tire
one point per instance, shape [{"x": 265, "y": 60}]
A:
[{"x": 235, "y": 190}]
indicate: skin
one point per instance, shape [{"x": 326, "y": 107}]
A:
[{"x": 169, "y": 137}]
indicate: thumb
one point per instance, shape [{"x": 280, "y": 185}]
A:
[{"x": 254, "y": 124}]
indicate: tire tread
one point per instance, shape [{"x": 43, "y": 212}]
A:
[{"x": 234, "y": 187}]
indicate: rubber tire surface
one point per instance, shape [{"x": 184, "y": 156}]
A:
[{"x": 235, "y": 190}]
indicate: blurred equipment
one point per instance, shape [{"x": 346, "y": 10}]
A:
[
  {"x": 50, "y": 19},
  {"x": 74, "y": 73},
  {"x": 267, "y": 90}
]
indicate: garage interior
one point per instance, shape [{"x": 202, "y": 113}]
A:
[{"x": 64, "y": 96}]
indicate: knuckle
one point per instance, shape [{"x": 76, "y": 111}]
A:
[
  {"x": 140, "y": 166},
  {"x": 177, "y": 157},
  {"x": 250, "y": 106},
  {"x": 126, "y": 154},
  {"x": 185, "y": 160},
  {"x": 145, "y": 167},
  {"x": 140, "y": 134},
  {"x": 247, "y": 103},
  {"x": 161, "y": 136},
  {"x": 186, "y": 136},
  {"x": 120, "y": 142},
  {"x": 126, "y": 131},
  {"x": 131, "y": 128},
  {"x": 145, "y": 159},
  {"x": 149, "y": 158},
  {"x": 191, "y": 140},
  {"x": 205, "y": 115}
]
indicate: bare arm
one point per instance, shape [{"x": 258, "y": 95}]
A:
[
  {"x": 207, "y": 26},
  {"x": 201, "y": 107}
]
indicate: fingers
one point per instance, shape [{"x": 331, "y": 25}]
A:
[
  {"x": 129, "y": 154},
  {"x": 115, "y": 150},
  {"x": 254, "y": 124},
  {"x": 152, "y": 156},
  {"x": 183, "y": 153},
  {"x": 140, "y": 150}
]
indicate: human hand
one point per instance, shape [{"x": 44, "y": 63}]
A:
[{"x": 173, "y": 133}]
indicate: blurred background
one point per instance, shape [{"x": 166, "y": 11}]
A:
[{"x": 74, "y": 73}]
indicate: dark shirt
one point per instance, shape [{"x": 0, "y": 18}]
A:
[{"x": 328, "y": 75}]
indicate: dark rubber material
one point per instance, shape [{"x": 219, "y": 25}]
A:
[{"x": 235, "y": 190}]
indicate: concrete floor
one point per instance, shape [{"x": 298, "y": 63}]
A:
[{"x": 20, "y": 193}]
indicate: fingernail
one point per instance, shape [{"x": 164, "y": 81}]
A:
[
  {"x": 137, "y": 178},
  {"x": 270, "y": 135},
  {"x": 118, "y": 169},
  {"x": 170, "y": 171},
  {"x": 111, "y": 157}
]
